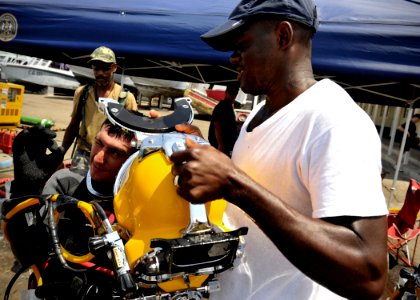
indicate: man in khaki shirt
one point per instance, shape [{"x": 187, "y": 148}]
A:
[{"x": 86, "y": 120}]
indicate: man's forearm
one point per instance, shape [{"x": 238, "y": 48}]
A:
[
  {"x": 348, "y": 247},
  {"x": 70, "y": 134}
]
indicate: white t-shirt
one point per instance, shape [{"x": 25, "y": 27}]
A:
[{"x": 321, "y": 154}]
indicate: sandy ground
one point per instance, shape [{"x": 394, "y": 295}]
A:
[{"x": 58, "y": 109}]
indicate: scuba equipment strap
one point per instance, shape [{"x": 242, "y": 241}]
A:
[
  {"x": 82, "y": 101},
  {"x": 80, "y": 112}
]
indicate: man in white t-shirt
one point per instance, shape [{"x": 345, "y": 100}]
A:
[{"x": 305, "y": 174}]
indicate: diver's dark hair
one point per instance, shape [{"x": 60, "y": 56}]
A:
[{"x": 117, "y": 131}]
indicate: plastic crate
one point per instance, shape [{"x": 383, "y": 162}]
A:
[
  {"x": 11, "y": 98},
  {"x": 6, "y": 140}
]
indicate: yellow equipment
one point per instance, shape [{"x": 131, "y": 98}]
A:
[
  {"x": 172, "y": 244},
  {"x": 11, "y": 97}
]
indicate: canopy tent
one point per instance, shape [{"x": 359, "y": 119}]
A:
[
  {"x": 357, "y": 41},
  {"x": 370, "y": 47},
  {"x": 156, "y": 39}
]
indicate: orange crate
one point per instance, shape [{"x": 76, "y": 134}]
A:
[{"x": 6, "y": 140}]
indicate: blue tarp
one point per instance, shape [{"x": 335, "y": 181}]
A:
[
  {"x": 358, "y": 41},
  {"x": 369, "y": 38}
]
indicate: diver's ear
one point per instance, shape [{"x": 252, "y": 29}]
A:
[
  {"x": 114, "y": 68},
  {"x": 284, "y": 32}
]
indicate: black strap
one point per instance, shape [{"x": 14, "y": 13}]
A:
[
  {"x": 80, "y": 112},
  {"x": 82, "y": 101}
]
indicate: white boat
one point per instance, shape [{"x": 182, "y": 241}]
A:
[
  {"x": 151, "y": 87},
  {"x": 38, "y": 71}
]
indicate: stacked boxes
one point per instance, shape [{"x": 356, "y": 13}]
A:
[{"x": 11, "y": 97}]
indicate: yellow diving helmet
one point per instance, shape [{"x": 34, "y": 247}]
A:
[{"x": 172, "y": 245}]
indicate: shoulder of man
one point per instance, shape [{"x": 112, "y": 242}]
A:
[
  {"x": 130, "y": 102},
  {"x": 80, "y": 97},
  {"x": 118, "y": 93},
  {"x": 130, "y": 97},
  {"x": 219, "y": 108},
  {"x": 63, "y": 181},
  {"x": 125, "y": 97},
  {"x": 80, "y": 91}
]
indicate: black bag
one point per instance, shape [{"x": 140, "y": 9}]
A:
[{"x": 24, "y": 226}]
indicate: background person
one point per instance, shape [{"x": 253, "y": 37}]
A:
[
  {"x": 304, "y": 176},
  {"x": 85, "y": 119},
  {"x": 223, "y": 130},
  {"x": 412, "y": 139}
]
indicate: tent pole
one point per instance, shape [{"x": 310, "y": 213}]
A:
[
  {"x": 369, "y": 109},
  {"x": 400, "y": 154},
  {"x": 122, "y": 74},
  {"x": 394, "y": 126},
  {"x": 375, "y": 113},
  {"x": 381, "y": 132}
]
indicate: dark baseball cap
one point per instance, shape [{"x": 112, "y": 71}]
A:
[{"x": 301, "y": 11}]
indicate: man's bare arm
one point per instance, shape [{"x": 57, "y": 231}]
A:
[{"x": 71, "y": 133}]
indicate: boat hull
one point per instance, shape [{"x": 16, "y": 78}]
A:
[
  {"x": 43, "y": 77},
  {"x": 203, "y": 104}
]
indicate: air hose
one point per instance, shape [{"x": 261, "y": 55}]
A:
[{"x": 55, "y": 240}]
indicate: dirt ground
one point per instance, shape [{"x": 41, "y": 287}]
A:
[{"x": 58, "y": 109}]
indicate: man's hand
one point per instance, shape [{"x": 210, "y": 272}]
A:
[
  {"x": 154, "y": 114},
  {"x": 203, "y": 172},
  {"x": 32, "y": 165},
  {"x": 189, "y": 129}
]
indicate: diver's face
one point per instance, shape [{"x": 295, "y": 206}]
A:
[
  {"x": 107, "y": 156},
  {"x": 103, "y": 73}
]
